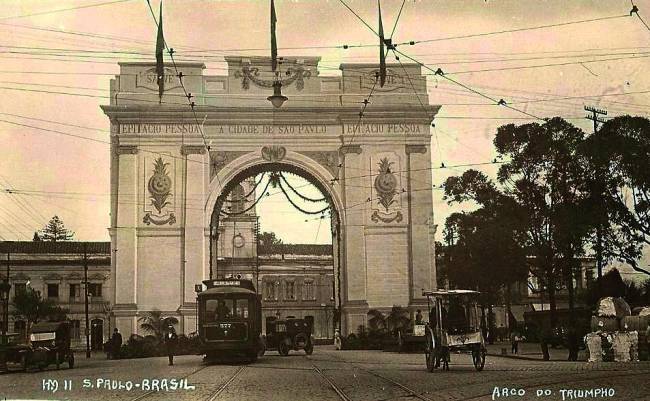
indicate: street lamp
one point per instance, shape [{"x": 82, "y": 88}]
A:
[{"x": 277, "y": 99}]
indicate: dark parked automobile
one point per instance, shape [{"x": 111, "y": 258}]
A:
[
  {"x": 49, "y": 345},
  {"x": 290, "y": 334}
]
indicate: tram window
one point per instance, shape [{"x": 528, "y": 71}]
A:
[
  {"x": 218, "y": 309},
  {"x": 242, "y": 309}
]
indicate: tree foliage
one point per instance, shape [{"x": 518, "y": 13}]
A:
[
  {"x": 618, "y": 154},
  {"x": 55, "y": 231},
  {"x": 30, "y": 306},
  {"x": 155, "y": 324}
]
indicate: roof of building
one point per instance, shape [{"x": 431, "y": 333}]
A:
[
  {"x": 296, "y": 249},
  {"x": 44, "y": 247}
]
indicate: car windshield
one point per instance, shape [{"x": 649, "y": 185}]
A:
[{"x": 226, "y": 308}]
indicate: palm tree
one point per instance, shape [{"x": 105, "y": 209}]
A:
[
  {"x": 376, "y": 320},
  {"x": 153, "y": 323},
  {"x": 398, "y": 318}
]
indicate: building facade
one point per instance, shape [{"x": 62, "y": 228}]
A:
[{"x": 56, "y": 271}]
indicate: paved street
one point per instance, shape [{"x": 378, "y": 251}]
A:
[{"x": 325, "y": 375}]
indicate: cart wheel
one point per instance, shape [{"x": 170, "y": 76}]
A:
[
  {"x": 429, "y": 354},
  {"x": 71, "y": 361},
  {"x": 283, "y": 349},
  {"x": 478, "y": 357},
  {"x": 309, "y": 348}
]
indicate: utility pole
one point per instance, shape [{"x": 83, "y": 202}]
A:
[
  {"x": 594, "y": 116},
  {"x": 87, "y": 331}
]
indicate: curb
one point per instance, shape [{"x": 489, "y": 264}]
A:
[{"x": 525, "y": 358}]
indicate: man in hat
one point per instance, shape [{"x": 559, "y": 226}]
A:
[
  {"x": 170, "y": 341},
  {"x": 116, "y": 343}
]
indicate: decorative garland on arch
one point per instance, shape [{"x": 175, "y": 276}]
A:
[
  {"x": 251, "y": 191},
  {"x": 298, "y": 207},
  {"x": 301, "y": 196},
  {"x": 251, "y": 206}
]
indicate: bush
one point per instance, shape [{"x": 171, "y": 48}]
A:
[{"x": 145, "y": 347}]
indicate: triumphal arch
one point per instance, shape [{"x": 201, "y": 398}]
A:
[{"x": 174, "y": 160}]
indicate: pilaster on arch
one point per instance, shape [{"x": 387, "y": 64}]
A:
[{"x": 254, "y": 158}]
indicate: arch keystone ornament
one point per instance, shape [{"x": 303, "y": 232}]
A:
[
  {"x": 170, "y": 192},
  {"x": 273, "y": 153}
]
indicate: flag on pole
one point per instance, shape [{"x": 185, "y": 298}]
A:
[
  {"x": 382, "y": 56},
  {"x": 160, "y": 66},
  {"x": 274, "y": 45}
]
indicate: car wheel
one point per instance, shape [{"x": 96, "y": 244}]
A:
[
  {"x": 283, "y": 349},
  {"x": 309, "y": 348}
]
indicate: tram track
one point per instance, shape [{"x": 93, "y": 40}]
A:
[
  {"x": 409, "y": 391},
  {"x": 222, "y": 387},
  {"x": 211, "y": 397},
  {"x": 148, "y": 393}
]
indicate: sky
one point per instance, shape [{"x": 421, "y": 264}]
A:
[{"x": 58, "y": 56}]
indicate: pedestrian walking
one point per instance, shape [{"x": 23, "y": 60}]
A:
[
  {"x": 170, "y": 341},
  {"x": 116, "y": 343},
  {"x": 514, "y": 342}
]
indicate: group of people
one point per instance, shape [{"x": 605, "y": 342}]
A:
[{"x": 170, "y": 338}]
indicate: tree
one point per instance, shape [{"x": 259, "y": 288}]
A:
[
  {"x": 33, "y": 308},
  {"x": 618, "y": 155},
  {"x": 546, "y": 174},
  {"x": 484, "y": 249},
  {"x": 152, "y": 322},
  {"x": 56, "y": 231},
  {"x": 268, "y": 242}
]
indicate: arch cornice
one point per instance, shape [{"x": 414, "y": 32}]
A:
[
  {"x": 254, "y": 159},
  {"x": 209, "y": 115}
]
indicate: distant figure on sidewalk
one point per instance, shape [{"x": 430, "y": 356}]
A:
[
  {"x": 514, "y": 342},
  {"x": 170, "y": 341},
  {"x": 116, "y": 343},
  {"x": 418, "y": 317}
]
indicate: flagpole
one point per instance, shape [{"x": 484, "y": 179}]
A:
[{"x": 160, "y": 66}]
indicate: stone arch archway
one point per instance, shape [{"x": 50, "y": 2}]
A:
[
  {"x": 253, "y": 163},
  {"x": 170, "y": 163}
]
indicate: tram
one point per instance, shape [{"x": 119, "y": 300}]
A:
[{"x": 230, "y": 319}]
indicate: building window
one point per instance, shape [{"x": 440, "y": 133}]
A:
[
  {"x": 94, "y": 290},
  {"x": 52, "y": 290},
  {"x": 270, "y": 291},
  {"x": 308, "y": 290},
  {"x": 20, "y": 288},
  {"x": 290, "y": 291},
  {"x": 75, "y": 329},
  {"x": 75, "y": 291}
]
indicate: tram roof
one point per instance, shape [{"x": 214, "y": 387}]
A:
[
  {"x": 450, "y": 292},
  {"x": 226, "y": 290}
]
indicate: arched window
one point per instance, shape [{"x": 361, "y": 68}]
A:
[{"x": 237, "y": 199}]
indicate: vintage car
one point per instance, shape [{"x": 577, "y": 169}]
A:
[
  {"x": 49, "y": 345},
  {"x": 290, "y": 334}
]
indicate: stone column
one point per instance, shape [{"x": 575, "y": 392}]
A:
[
  {"x": 126, "y": 265},
  {"x": 353, "y": 275},
  {"x": 193, "y": 231},
  {"x": 422, "y": 272}
]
